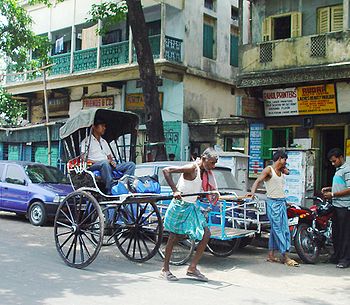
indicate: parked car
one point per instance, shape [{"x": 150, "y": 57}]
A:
[{"x": 32, "y": 189}]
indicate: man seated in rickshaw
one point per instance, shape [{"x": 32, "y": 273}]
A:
[{"x": 100, "y": 156}]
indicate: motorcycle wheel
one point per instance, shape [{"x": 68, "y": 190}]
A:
[{"x": 305, "y": 245}]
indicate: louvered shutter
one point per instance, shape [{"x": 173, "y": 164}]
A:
[
  {"x": 267, "y": 29},
  {"x": 296, "y": 24},
  {"x": 323, "y": 20},
  {"x": 234, "y": 51},
  {"x": 336, "y": 18},
  {"x": 208, "y": 41}
]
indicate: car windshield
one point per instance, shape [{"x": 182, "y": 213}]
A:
[{"x": 45, "y": 174}]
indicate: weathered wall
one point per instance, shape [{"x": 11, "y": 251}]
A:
[{"x": 207, "y": 99}]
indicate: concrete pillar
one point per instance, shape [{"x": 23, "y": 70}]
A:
[
  {"x": 99, "y": 44},
  {"x": 346, "y": 6}
]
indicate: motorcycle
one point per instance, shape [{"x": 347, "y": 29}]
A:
[{"x": 311, "y": 228}]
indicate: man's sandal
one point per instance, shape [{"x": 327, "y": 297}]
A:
[
  {"x": 273, "y": 260},
  {"x": 167, "y": 275},
  {"x": 197, "y": 275},
  {"x": 291, "y": 263}
]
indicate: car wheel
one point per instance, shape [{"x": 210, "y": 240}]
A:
[{"x": 37, "y": 214}]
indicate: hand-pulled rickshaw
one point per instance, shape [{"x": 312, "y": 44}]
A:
[{"x": 79, "y": 225}]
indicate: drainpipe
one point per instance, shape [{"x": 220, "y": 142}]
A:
[
  {"x": 99, "y": 44},
  {"x": 47, "y": 118},
  {"x": 72, "y": 43},
  {"x": 346, "y": 6},
  {"x": 162, "y": 30},
  {"x": 130, "y": 46}
]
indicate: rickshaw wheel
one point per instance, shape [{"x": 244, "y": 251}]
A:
[
  {"x": 223, "y": 248},
  {"x": 182, "y": 251},
  {"x": 78, "y": 229},
  {"x": 138, "y": 230}
]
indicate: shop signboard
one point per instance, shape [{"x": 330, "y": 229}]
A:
[
  {"x": 172, "y": 134},
  {"x": 98, "y": 102},
  {"x": 136, "y": 101},
  {"x": 318, "y": 99},
  {"x": 307, "y": 100},
  {"x": 281, "y": 102},
  {"x": 256, "y": 163}
]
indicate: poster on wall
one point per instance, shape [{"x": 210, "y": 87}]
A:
[
  {"x": 172, "y": 134},
  {"x": 318, "y": 99},
  {"x": 295, "y": 181},
  {"x": 256, "y": 164}
]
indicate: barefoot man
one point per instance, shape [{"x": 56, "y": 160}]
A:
[
  {"x": 273, "y": 177},
  {"x": 183, "y": 216}
]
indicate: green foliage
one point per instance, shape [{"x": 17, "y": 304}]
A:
[
  {"x": 10, "y": 109},
  {"x": 110, "y": 13},
  {"x": 16, "y": 38}
]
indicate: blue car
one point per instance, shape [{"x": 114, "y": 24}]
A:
[{"x": 32, "y": 189}]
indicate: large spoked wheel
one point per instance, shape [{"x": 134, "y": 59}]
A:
[
  {"x": 78, "y": 229},
  {"x": 223, "y": 248},
  {"x": 138, "y": 230},
  {"x": 108, "y": 235},
  {"x": 182, "y": 251},
  {"x": 306, "y": 247}
]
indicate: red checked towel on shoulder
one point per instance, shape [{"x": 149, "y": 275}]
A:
[{"x": 209, "y": 184}]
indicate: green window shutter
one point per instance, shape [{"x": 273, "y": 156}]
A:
[
  {"x": 266, "y": 144},
  {"x": 13, "y": 152},
  {"x": 234, "y": 51},
  {"x": 208, "y": 41}
]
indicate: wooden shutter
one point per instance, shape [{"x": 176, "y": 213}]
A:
[
  {"x": 208, "y": 41},
  {"x": 266, "y": 144},
  {"x": 296, "y": 24},
  {"x": 323, "y": 20},
  {"x": 234, "y": 51},
  {"x": 337, "y": 18},
  {"x": 267, "y": 29}
]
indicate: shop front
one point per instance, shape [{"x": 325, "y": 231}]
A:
[{"x": 305, "y": 117}]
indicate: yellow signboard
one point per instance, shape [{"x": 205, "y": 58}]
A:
[
  {"x": 135, "y": 101},
  {"x": 318, "y": 99},
  {"x": 347, "y": 149}
]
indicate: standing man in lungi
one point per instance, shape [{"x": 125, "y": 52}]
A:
[
  {"x": 183, "y": 216},
  {"x": 273, "y": 177}
]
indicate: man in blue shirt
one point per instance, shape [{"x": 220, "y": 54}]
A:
[{"x": 339, "y": 192}]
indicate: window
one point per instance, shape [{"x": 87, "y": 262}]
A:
[
  {"x": 15, "y": 175},
  {"x": 209, "y": 38},
  {"x": 234, "y": 144},
  {"x": 273, "y": 138},
  {"x": 210, "y": 4},
  {"x": 234, "y": 13},
  {"x": 112, "y": 37},
  {"x": 330, "y": 19},
  {"x": 282, "y": 26},
  {"x": 233, "y": 49},
  {"x": 153, "y": 28}
]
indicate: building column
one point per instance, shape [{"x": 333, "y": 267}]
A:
[
  {"x": 73, "y": 40},
  {"x": 99, "y": 44},
  {"x": 130, "y": 46},
  {"x": 162, "y": 30},
  {"x": 346, "y": 7}
]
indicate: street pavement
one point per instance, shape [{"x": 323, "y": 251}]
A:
[{"x": 31, "y": 272}]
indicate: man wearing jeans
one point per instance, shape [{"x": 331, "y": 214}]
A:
[
  {"x": 339, "y": 192},
  {"x": 100, "y": 155}
]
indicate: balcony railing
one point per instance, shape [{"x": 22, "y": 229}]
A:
[
  {"x": 110, "y": 55},
  {"x": 296, "y": 52}
]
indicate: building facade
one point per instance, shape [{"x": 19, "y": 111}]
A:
[
  {"x": 196, "y": 61},
  {"x": 295, "y": 62}
]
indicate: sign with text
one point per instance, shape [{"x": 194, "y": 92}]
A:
[
  {"x": 281, "y": 102},
  {"x": 136, "y": 101},
  {"x": 317, "y": 99},
  {"x": 256, "y": 163},
  {"x": 98, "y": 102}
]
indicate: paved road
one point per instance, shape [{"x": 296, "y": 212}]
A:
[{"x": 31, "y": 272}]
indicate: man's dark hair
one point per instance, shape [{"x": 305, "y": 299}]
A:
[
  {"x": 335, "y": 152},
  {"x": 99, "y": 121},
  {"x": 281, "y": 153}
]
